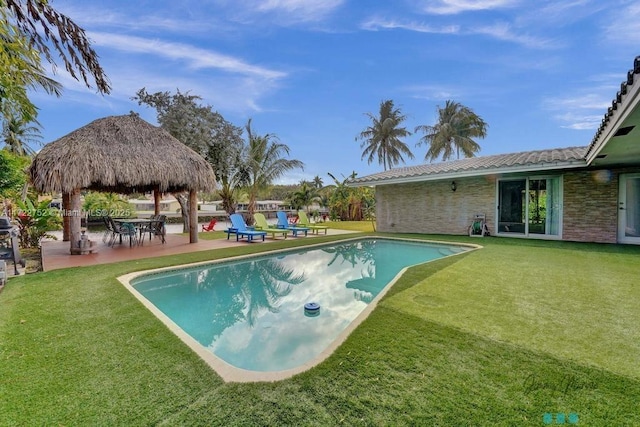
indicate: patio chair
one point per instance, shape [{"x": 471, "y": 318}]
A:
[
  {"x": 303, "y": 221},
  {"x": 157, "y": 227},
  {"x": 147, "y": 228},
  {"x": 283, "y": 222},
  {"x": 124, "y": 229},
  {"x": 261, "y": 224},
  {"x": 240, "y": 229},
  {"x": 209, "y": 227}
]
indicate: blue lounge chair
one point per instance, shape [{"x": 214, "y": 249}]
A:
[
  {"x": 284, "y": 223},
  {"x": 240, "y": 229}
]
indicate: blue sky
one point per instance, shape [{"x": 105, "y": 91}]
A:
[{"x": 540, "y": 73}]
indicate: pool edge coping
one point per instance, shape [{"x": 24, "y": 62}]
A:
[{"x": 230, "y": 373}]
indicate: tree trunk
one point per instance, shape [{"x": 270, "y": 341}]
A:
[
  {"x": 75, "y": 221},
  {"x": 193, "y": 216},
  {"x": 66, "y": 207},
  {"x": 251, "y": 208},
  {"x": 183, "y": 199},
  {"x": 156, "y": 201}
]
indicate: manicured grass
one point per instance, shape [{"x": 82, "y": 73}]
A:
[{"x": 465, "y": 340}]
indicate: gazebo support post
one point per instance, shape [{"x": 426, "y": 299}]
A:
[
  {"x": 156, "y": 200},
  {"x": 74, "y": 221},
  {"x": 66, "y": 207},
  {"x": 193, "y": 216}
]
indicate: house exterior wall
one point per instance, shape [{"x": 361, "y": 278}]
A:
[
  {"x": 432, "y": 208},
  {"x": 590, "y": 205}
]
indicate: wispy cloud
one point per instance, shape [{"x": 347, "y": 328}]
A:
[
  {"x": 94, "y": 16},
  {"x": 583, "y": 102},
  {"x": 452, "y": 7},
  {"x": 624, "y": 25},
  {"x": 505, "y": 32},
  {"x": 564, "y": 12},
  {"x": 304, "y": 10},
  {"x": 195, "y": 58},
  {"x": 580, "y": 122},
  {"x": 499, "y": 31},
  {"x": 376, "y": 23},
  {"x": 578, "y": 112},
  {"x": 281, "y": 12},
  {"x": 433, "y": 92}
]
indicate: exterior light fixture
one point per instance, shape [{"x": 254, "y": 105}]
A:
[{"x": 454, "y": 187}]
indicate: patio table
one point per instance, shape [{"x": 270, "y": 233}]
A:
[{"x": 140, "y": 224}]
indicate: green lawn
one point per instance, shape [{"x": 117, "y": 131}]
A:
[{"x": 499, "y": 336}]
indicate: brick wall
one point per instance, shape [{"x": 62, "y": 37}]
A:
[
  {"x": 590, "y": 208},
  {"x": 590, "y": 205},
  {"x": 432, "y": 208}
]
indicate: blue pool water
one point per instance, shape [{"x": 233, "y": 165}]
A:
[{"x": 250, "y": 312}]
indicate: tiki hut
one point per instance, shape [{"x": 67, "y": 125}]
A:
[{"x": 120, "y": 154}]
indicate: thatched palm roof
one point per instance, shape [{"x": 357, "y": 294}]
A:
[{"x": 122, "y": 154}]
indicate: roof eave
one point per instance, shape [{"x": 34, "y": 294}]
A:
[
  {"x": 615, "y": 120},
  {"x": 555, "y": 166}
]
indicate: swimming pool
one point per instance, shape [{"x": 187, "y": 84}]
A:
[{"x": 250, "y": 313}]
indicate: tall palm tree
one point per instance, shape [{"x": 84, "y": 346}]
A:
[
  {"x": 457, "y": 126},
  {"x": 265, "y": 163},
  {"x": 382, "y": 138},
  {"x": 18, "y": 135},
  {"x": 317, "y": 182}
]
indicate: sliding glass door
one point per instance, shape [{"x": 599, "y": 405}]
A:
[{"x": 530, "y": 206}]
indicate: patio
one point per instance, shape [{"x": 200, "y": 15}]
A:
[{"x": 55, "y": 253}]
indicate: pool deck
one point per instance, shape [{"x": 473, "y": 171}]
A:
[{"x": 55, "y": 253}]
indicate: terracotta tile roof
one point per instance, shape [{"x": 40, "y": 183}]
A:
[{"x": 515, "y": 162}]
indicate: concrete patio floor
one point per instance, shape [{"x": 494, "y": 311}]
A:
[{"x": 55, "y": 253}]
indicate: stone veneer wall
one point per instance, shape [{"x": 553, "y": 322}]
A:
[
  {"x": 590, "y": 205},
  {"x": 432, "y": 208}
]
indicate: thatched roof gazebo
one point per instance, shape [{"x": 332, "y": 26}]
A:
[{"x": 121, "y": 154}]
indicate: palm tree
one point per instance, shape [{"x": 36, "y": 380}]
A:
[
  {"x": 457, "y": 126},
  {"x": 305, "y": 196},
  {"x": 317, "y": 182},
  {"x": 32, "y": 31},
  {"x": 265, "y": 163},
  {"x": 18, "y": 135},
  {"x": 382, "y": 138}
]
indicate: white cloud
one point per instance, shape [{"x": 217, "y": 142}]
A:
[
  {"x": 433, "y": 92},
  {"x": 89, "y": 15},
  {"x": 579, "y": 112},
  {"x": 504, "y": 32},
  {"x": 499, "y": 31},
  {"x": 578, "y": 122},
  {"x": 304, "y": 10},
  {"x": 452, "y": 7},
  {"x": 195, "y": 57},
  {"x": 581, "y": 102},
  {"x": 231, "y": 92},
  {"x": 374, "y": 24},
  {"x": 281, "y": 12},
  {"x": 624, "y": 25}
]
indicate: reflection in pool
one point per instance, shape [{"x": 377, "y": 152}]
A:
[{"x": 250, "y": 312}]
